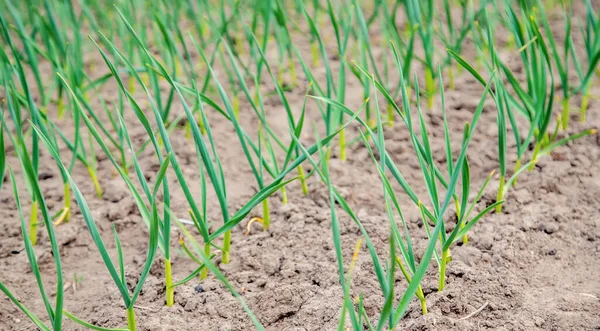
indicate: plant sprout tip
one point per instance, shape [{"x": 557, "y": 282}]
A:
[{"x": 252, "y": 220}]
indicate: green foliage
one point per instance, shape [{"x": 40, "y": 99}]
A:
[{"x": 191, "y": 63}]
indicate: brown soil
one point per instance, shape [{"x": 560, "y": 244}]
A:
[{"x": 534, "y": 266}]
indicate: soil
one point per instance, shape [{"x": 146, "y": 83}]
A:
[{"x": 534, "y": 266}]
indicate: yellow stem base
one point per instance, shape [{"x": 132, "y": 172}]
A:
[
  {"x": 284, "y": 196},
  {"x": 500, "y": 195},
  {"x": 585, "y": 99},
  {"x": 444, "y": 261},
  {"x": 266, "y": 214},
  {"x": 33, "y": 220},
  {"x": 565, "y": 114},
  {"x": 226, "y": 244},
  {"x": 343, "y": 145},
  {"x": 95, "y": 181},
  {"x": 170, "y": 290},
  {"x": 131, "y": 325},
  {"x": 302, "y": 180},
  {"x": 204, "y": 272}
]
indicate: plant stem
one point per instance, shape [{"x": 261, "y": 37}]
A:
[
  {"x": 534, "y": 156},
  {"x": 226, "y": 245},
  {"x": 343, "y": 145},
  {"x": 371, "y": 123},
  {"x": 457, "y": 206},
  {"x": 256, "y": 95},
  {"x": 429, "y": 85},
  {"x": 201, "y": 124},
  {"x": 465, "y": 239},
  {"x": 419, "y": 293},
  {"x": 131, "y": 319},
  {"x": 284, "y": 197},
  {"x": 302, "y": 180},
  {"x": 565, "y": 114},
  {"x": 421, "y": 296},
  {"x": 443, "y": 262},
  {"x": 124, "y": 163},
  {"x": 170, "y": 290},
  {"x": 95, "y": 181},
  {"x": 423, "y": 302},
  {"x": 188, "y": 130},
  {"x": 61, "y": 108},
  {"x": 390, "y": 115},
  {"x": 314, "y": 48},
  {"x": 236, "y": 107},
  {"x": 131, "y": 84},
  {"x": 67, "y": 197},
  {"x": 204, "y": 272},
  {"x": 546, "y": 140},
  {"x": 33, "y": 219},
  {"x": 424, "y": 307},
  {"x": 500, "y": 194},
  {"x": 266, "y": 214}
]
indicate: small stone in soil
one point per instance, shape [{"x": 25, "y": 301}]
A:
[
  {"x": 549, "y": 227},
  {"x": 199, "y": 288},
  {"x": 45, "y": 175},
  {"x": 526, "y": 224}
]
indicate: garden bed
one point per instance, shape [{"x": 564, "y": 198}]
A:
[{"x": 533, "y": 266}]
